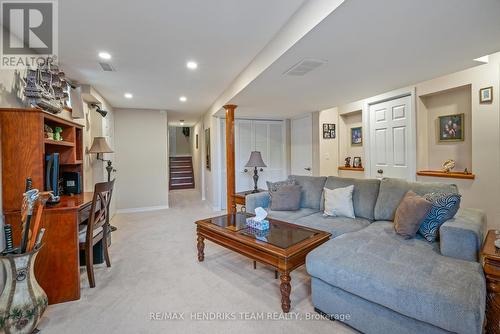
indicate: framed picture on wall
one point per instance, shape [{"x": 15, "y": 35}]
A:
[
  {"x": 356, "y": 136},
  {"x": 196, "y": 141},
  {"x": 328, "y": 131},
  {"x": 451, "y": 128},
  {"x": 208, "y": 158},
  {"x": 486, "y": 95}
]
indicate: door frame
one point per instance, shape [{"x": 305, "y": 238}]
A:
[{"x": 412, "y": 133}]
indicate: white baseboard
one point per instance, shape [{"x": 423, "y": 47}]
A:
[{"x": 143, "y": 209}]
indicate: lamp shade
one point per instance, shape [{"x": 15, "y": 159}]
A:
[
  {"x": 255, "y": 160},
  {"x": 100, "y": 145}
]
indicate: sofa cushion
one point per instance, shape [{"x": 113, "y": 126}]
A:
[
  {"x": 364, "y": 196},
  {"x": 275, "y": 186},
  {"x": 444, "y": 207},
  {"x": 338, "y": 202},
  {"x": 410, "y": 213},
  {"x": 408, "y": 276},
  {"x": 392, "y": 191},
  {"x": 286, "y": 198},
  {"x": 312, "y": 190},
  {"x": 334, "y": 225},
  {"x": 290, "y": 216}
]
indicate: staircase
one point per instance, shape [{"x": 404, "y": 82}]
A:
[{"x": 181, "y": 173}]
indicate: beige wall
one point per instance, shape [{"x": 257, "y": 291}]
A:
[
  {"x": 179, "y": 145},
  {"x": 196, "y": 130},
  {"x": 430, "y": 107},
  {"x": 447, "y": 95},
  {"x": 141, "y": 140},
  {"x": 328, "y": 148}
]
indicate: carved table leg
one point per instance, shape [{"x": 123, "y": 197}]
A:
[
  {"x": 492, "y": 305},
  {"x": 285, "y": 289},
  {"x": 201, "y": 247}
]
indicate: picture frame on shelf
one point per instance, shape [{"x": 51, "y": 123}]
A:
[
  {"x": 329, "y": 131},
  {"x": 486, "y": 95},
  {"x": 451, "y": 128},
  {"x": 357, "y": 136},
  {"x": 356, "y": 162}
]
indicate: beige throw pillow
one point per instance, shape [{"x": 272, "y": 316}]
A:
[
  {"x": 338, "y": 202},
  {"x": 410, "y": 213}
]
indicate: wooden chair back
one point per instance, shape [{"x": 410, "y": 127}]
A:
[{"x": 102, "y": 194}]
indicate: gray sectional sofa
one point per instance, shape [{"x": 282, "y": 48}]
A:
[{"x": 379, "y": 281}]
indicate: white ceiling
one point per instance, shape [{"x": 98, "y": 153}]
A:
[
  {"x": 150, "y": 42},
  {"x": 373, "y": 47}
]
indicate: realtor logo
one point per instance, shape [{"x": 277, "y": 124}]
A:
[{"x": 29, "y": 33}]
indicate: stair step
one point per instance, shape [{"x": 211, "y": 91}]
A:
[
  {"x": 181, "y": 177},
  {"x": 182, "y": 166}
]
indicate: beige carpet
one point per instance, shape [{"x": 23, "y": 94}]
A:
[{"x": 155, "y": 270}]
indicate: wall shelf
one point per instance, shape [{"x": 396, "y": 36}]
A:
[
  {"x": 454, "y": 175},
  {"x": 58, "y": 142},
  {"x": 354, "y": 169}
]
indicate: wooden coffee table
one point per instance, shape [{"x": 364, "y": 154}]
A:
[{"x": 284, "y": 246}]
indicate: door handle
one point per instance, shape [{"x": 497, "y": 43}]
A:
[
  {"x": 262, "y": 169},
  {"x": 380, "y": 171},
  {"x": 308, "y": 168},
  {"x": 245, "y": 170}
]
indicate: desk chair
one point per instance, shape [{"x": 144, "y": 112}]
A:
[{"x": 97, "y": 227}]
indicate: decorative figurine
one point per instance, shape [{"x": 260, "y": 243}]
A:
[
  {"x": 347, "y": 162},
  {"x": 49, "y": 133},
  {"x": 448, "y": 165},
  {"x": 57, "y": 133}
]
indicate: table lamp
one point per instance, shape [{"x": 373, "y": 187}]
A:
[
  {"x": 100, "y": 146},
  {"x": 255, "y": 161}
]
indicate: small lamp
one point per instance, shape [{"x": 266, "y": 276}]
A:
[
  {"x": 100, "y": 146},
  {"x": 255, "y": 161}
]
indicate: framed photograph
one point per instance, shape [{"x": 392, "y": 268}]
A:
[
  {"x": 196, "y": 141},
  {"x": 356, "y": 162},
  {"x": 451, "y": 128},
  {"x": 208, "y": 159},
  {"x": 486, "y": 95},
  {"x": 328, "y": 131},
  {"x": 356, "y": 136}
]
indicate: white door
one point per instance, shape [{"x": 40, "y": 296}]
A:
[
  {"x": 266, "y": 137},
  {"x": 301, "y": 145},
  {"x": 390, "y": 138}
]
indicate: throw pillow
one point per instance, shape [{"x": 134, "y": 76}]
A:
[
  {"x": 286, "y": 198},
  {"x": 274, "y": 186},
  {"x": 410, "y": 213},
  {"x": 444, "y": 207},
  {"x": 338, "y": 202}
]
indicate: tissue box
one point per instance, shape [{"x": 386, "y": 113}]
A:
[{"x": 262, "y": 225}]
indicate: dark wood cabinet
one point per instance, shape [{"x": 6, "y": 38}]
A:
[{"x": 23, "y": 149}]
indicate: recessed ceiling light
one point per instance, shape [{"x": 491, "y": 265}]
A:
[
  {"x": 183, "y": 99},
  {"x": 192, "y": 65},
  {"x": 128, "y": 95},
  {"x": 104, "y": 55}
]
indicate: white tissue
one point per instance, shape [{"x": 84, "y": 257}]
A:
[{"x": 260, "y": 214}]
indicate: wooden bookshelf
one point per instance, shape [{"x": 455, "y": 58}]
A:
[
  {"x": 58, "y": 142},
  {"x": 453, "y": 175},
  {"x": 354, "y": 169}
]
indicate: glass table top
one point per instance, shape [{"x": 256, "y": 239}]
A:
[{"x": 279, "y": 234}]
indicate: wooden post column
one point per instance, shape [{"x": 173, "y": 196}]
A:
[{"x": 230, "y": 167}]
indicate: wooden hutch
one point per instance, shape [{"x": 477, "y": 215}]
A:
[{"x": 23, "y": 149}]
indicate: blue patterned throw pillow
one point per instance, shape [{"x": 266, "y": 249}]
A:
[{"x": 444, "y": 207}]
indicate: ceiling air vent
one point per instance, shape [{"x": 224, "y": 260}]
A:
[
  {"x": 304, "y": 66},
  {"x": 106, "y": 67}
]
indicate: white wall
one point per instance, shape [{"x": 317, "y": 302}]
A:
[
  {"x": 141, "y": 146},
  {"x": 328, "y": 148}
]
